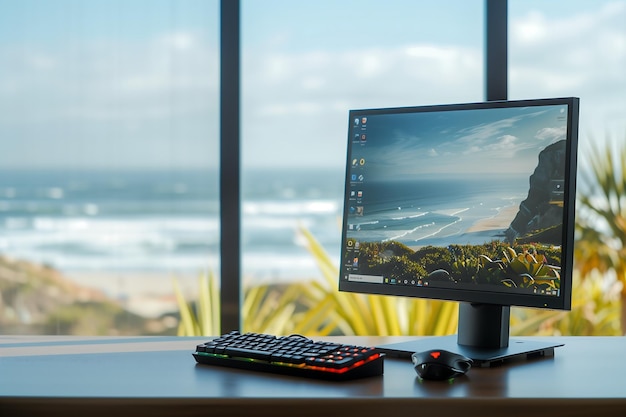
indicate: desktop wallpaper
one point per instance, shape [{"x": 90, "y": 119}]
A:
[{"x": 458, "y": 197}]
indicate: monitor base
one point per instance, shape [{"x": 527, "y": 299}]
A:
[{"x": 482, "y": 357}]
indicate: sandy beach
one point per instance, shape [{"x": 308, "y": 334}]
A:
[
  {"x": 500, "y": 221},
  {"x": 146, "y": 294},
  {"x": 151, "y": 294}
]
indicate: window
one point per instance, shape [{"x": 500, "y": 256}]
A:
[
  {"x": 572, "y": 49},
  {"x": 304, "y": 65},
  {"x": 109, "y": 119},
  {"x": 578, "y": 48},
  {"x": 109, "y": 127}
]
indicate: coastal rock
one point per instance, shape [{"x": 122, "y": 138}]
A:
[{"x": 540, "y": 215}]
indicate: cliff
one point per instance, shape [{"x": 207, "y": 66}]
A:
[{"x": 540, "y": 215}]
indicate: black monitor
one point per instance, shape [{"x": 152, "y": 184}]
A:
[{"x": 465, "y": 202}]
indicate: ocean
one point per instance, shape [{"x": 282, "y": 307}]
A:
[
  {"x": 166, "y": 223},
  {"x": 439, "y": 210}
]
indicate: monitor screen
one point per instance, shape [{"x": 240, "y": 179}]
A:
[{"x": 467, "y": 202}]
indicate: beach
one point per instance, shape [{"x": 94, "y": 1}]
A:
[
  {"x": 148, "y": 294},
  {"x": 501, "y": 221},
  {"x": 152, "y": 294},
  {"x": 481, "y": 231}
]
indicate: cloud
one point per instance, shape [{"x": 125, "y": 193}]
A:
[
  {"x": 104, "y": 77},
  {"x": 154, "y": 89},
  {"x": 551, "y": 134},
  {"x": 503, "y": 146},
  {"x": 536, "y": 29},
  {"x": 580, "y": 53},
  {"x": 110, "y": 103},
  {"x": 505, "y": 141},
  {"x": 405, "y": 75},
  {"x": 485, "y": 132},
  {"x": 309, "y": 93}
]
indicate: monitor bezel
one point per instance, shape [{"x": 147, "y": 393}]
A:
[{"x": 484, "y": 295}]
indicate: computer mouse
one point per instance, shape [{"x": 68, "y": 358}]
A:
[{"x": 440, "y": 364}]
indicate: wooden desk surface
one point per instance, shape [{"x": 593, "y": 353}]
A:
[{"x": 158, "y": 376}]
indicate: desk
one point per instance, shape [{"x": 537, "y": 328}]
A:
[{"x": 157, "y": 376}]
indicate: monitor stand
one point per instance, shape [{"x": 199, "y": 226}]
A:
[{"x": 483, "y": 336}]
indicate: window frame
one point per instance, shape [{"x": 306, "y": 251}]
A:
[{"x": 496, "y": 88}]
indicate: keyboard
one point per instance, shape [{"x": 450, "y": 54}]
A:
[{"x": 291, "y": 355}]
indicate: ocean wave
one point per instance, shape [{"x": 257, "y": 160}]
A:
[
  {"x": 438, "y": 231},
  {"x": 414, "y": 216},
  {"x": 292, "y": 208},
  {"x": 408, "y": 232},
  {"x": 120, "y": 224},
  {"x": 369, "y": 223}
]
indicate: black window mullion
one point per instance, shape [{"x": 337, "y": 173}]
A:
[
  {"x": 496, "y": 52},
  {"x": 230, "y": 201}
]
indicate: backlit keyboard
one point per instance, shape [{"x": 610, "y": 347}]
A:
[{"x": 291, "y": 355}]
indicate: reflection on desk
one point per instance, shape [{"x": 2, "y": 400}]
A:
[{"x": 158, "y": 376}]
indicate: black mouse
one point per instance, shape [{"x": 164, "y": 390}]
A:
[{"x": 440, "y": 364}]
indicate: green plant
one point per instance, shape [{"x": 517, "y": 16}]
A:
[
  {"x": 527, "y": 270},
  {"x": 601, "y": 221},
  {"x": 204, "y": 317},
  {"x": 361, "y": 314},
  {"x": 318, "y": 308},
  {"x": 595, "y": 312}
]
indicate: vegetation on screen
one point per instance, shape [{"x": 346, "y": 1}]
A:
[{"x": 533, "y": 266}]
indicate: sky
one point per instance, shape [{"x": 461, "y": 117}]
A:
[
  {"x": 117, "y": 84},
  {"x": 479, "y": 141}
]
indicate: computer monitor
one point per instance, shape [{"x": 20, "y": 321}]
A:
[{"x": 465, "y": 202}]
